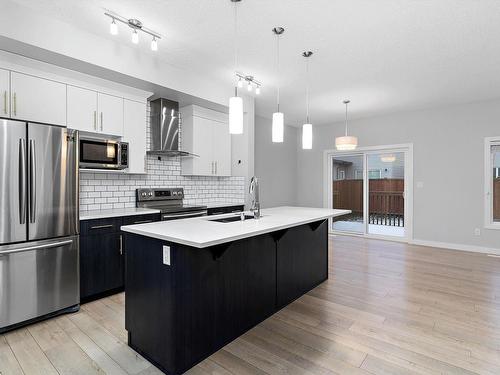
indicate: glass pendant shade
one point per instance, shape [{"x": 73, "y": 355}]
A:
[
  {"x": 278, "y": 127},
  {"x": 307, "y": 136},
  {"x": 235, "y": 115},
  {"x": 346, "y": 143}
]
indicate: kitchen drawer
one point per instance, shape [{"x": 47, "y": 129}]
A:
[
  {"x": 225, "y": 210},
  {"x": 141, "y": 219},
  {"x": 100, "y": 226}
]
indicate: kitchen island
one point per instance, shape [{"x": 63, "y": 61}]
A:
[{"x": 194, "y": 285}]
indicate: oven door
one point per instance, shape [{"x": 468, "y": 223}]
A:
[
  {"x": 183, "y": 215},
  {"x": 99, "y": 154}
]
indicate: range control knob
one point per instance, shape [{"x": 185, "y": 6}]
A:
[
  {"x": 150, "y": 193},
  {"x": 143, "y": 194}
]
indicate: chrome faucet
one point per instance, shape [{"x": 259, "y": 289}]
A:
[{"x": 254, "y": 191}]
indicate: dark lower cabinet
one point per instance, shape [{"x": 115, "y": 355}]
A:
[
  {"x": 302, "y": 261},
  {"x": 177, "y": 315},
  {"x": 101, "y": 255}
]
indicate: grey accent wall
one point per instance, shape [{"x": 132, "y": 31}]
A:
[
  {"x": 448, "y": 160},
  {"x": 275, "y": 165}
]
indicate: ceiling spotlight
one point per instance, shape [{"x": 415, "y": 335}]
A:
[
  {"x": 154, "y": 44},
  {"x": 113, "y": 28},
  {"x": 240, "y": 83},
  {"x": 257, "y": 90},
  {"x": 135, "y": 37},
  {"x": 249, "y": 87}
]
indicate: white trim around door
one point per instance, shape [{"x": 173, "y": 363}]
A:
[{"x": 407, "y": 148}]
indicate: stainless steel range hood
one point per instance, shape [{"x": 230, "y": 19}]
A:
[{"x": 165, "y": 123}]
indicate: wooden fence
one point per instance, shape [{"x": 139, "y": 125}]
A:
[{"x": 386, "y": 199}]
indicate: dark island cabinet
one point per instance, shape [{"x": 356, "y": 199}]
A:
[
  {"x": 101, "y": 255},
  {"x": 302, "y": 262},
  {"x": 185, "y": 303}
]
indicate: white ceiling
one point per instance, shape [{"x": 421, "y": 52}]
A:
[{"x": 385, "y": 55}]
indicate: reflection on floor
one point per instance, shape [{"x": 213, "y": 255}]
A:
[{"x": 359, "y": 227}]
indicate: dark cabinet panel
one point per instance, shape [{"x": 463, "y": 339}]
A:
[
  {"x": 302, "y": 260},
  {"x": 101, "y": 254},
  {"x": 101, "y": 264},
  {"x": 246, "y": 286}
]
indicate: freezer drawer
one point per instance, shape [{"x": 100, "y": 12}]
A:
[{"x": 38, "y": 278}]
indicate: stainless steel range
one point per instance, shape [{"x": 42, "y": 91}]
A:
[{"x": 170, "y": 202}]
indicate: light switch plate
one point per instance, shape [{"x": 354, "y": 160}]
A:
[{"x": 166, "y": 255}]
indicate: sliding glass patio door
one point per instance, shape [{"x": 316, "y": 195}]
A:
[
  {"x": 347, "y": 192},
  {"x": 386, "y": 191},
  {"x": 372, "y": 183}
]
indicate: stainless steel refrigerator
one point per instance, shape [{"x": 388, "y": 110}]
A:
[{"x": 39, "y": 223}]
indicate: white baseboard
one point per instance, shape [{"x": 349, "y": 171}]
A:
[{"x": 456, "y": 246}]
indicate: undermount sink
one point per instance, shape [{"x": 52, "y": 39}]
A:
[{"x": 232, "y": 218}]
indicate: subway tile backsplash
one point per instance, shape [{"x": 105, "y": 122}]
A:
[{"x": 100, "y": 191}]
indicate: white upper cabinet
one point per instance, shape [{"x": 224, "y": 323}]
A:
[
  {"x": 110, "y": 116},
  {"x": 206, "y": 134},
  {"x": 82, "y": 109},
  {"x": 37, "y": 99},
  {"x": 5, "y": 93},
  {"x": 221, "y": 140},
  {"x": 134, "y": 132}
]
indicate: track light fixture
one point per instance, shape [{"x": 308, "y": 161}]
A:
[
  {"x": 250, "y": 81},
  {"x": 135, "y": 25}
]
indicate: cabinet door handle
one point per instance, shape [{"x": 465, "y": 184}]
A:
[
  {"x": 215, "y": 167},
  {"x": 5, "y": 102},
  {"x": 15, "y": 104},
  {"x": 121, "y": 245},
  {"x": 101, "y": 120},
  {"x": 95, "y": 120},
  {"x": 102, "y": 226}
]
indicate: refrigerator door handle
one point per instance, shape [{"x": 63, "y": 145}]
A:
[
  {"x": 22, "y": 181},
  {"x": 32, "y": 182},
  {"x": 36, "y": 247}
]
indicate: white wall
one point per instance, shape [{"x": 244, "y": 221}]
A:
[
  {"x": 275, "y": 165},
  {"x": 448, "y": 159}
]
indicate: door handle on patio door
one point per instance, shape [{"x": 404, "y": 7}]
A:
[
  {"x": 22, "y": 181},
  {"x": 32, "y": 182}
]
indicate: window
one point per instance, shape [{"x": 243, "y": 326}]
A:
[
  {"x": 492, "y": 182},
  {"x": 358, "y": 174}
]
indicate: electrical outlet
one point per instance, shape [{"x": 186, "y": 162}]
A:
[
  {"x": 477, "y": 232},
  {"x": 166, "y": 255},
  {"x": 420, "y": 184}
]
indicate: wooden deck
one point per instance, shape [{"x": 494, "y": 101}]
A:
[{"x": 388, "y": 308}]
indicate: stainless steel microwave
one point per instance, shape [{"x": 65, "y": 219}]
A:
[{"x": 103, "y": 154}]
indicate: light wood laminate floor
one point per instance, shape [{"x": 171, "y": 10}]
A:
[{"x": 388, "y": 308}]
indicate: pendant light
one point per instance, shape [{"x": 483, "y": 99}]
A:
[
  {"x": 278, "y": 118},
  {"x": 346, "y": 143},
  {"x": 235, "y": 102},
  {"x": 307, "y": 127}
]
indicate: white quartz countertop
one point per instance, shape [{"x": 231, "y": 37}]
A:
[
  {"x": 117, "y": 212},
  {"x": 202, "y": 232}
]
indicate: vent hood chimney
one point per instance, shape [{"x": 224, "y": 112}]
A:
[{"x": 165, "y": 124}]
